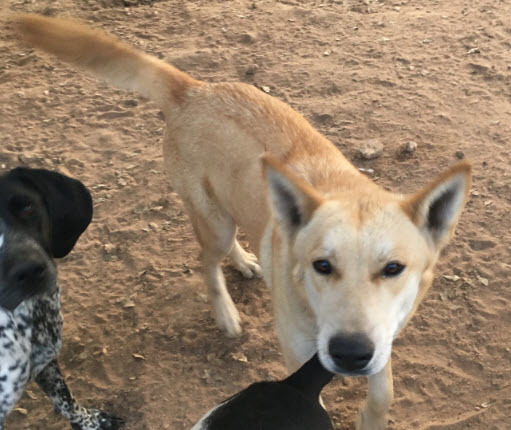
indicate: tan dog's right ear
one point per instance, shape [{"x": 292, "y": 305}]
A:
[{"x": 292, "y": 199}]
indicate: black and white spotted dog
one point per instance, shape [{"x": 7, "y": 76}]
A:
[
  {"x": 42, "y": 215},
  {"x": 291, "y": 404}
]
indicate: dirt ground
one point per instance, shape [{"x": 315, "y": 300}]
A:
[{"x": 138, "y": 338}]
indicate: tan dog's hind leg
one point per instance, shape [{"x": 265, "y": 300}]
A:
[
  {"x": 216, "y": 234},
  {"x": 245, "y": 262},
  {"x": 373, "y": 415}
]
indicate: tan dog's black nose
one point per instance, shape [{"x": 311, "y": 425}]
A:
[{"x": 351, "y": 353}]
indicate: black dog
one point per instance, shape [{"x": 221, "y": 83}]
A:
[
  {"x": 42, "y": 215},
  {"x": 291, "y": 404}
]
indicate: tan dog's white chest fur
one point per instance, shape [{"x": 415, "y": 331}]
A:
[{"x": 347, "y": 262}]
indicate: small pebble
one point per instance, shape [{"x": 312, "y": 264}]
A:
[
  {"x": 252, "y": 69},
  {"x": 109, "y": 248},
  {"x": 409, "y": 147},
  {"x": 370, "y": 149},
  {"x": 247, "y": 38}
]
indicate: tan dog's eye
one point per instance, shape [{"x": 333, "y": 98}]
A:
[
  {"x": 392, "y": 269},
  {"x": 323, "y": 267}
]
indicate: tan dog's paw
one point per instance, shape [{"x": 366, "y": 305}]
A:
[
  {"x": 250, "y": 269},
  {"x": 246, "y": 263},
  {"x": 227, "y": 316}
]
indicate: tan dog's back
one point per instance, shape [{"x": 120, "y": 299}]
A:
[{"x": 212, "y": 128}]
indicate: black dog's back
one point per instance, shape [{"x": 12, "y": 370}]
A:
[{"x": 291, "y": 404}]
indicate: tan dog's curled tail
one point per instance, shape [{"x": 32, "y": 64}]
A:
[{"x": 107, "y": 57}]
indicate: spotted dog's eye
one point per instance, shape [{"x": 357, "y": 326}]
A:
[
  {"x": 392, "y": 269},
  {"x": 323, "y": 267},
  {"x": 27, "y": 209},
  {"x": 21, "y": 206}
]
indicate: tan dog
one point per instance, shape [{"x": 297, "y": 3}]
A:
[{"x": 347, "y": 262}]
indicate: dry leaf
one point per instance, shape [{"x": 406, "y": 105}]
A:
[
  {"x": 239, "y": 356},
  {"x": 128, "y": 304},
  {"x": 31, "y": 395},
  {"x": 140, "y": 357},
  {"x": 483, "y": 281},
  {"x": 452, "y": 278}
]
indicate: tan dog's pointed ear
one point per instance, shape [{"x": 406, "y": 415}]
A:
[
  {"x": 436, "y": 208},
  {"x": 292, "y": 199}
]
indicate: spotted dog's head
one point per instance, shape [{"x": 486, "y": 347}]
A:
[{"x": 42, "y": 215}]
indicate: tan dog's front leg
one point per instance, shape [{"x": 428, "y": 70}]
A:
[{"x": 373, "y": 415}]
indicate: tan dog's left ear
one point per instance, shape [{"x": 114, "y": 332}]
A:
[
  {"x": 293, "y": 200},
  {"x": 436, "y": 208}
]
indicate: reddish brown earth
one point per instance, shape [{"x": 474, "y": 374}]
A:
[{"x": 434, "y": 72}]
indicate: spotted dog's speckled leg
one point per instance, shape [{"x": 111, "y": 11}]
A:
[
  {"x": 14, "y": 363},
  {"x": 52, "y": 383},
  {"x": 14, "y": 376}
]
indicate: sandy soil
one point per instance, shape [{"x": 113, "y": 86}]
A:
[{"x": 434, "y": 72}]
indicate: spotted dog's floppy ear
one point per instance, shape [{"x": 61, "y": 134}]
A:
[{"x": 68, "y": 202}]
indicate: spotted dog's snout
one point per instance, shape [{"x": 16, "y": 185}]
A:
[
  {"x": 25, "y": 269},
  {"x": 27, "y": 273},
  {"x": 351, "y": 353}
]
